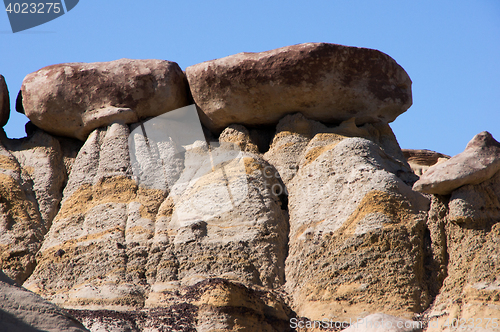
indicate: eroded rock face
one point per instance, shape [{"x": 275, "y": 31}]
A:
[
  {"x": 326, "y": 82},
  {"x": 210, "y": 305},
  {"x": 381, "y": 322},
  {"x": 33, "y": 170},
  {"x": 354, "y": 226},
  {"x": 148, "y": 228},
  {"x": 117, "y": 244},
  {"x": 73, "y": 99},
  {"x": 23, "y": 311},
  {"x": 470, "y": 221},
  {"x": 4, "y": 102},
  {"x": 477, "y": 163}
]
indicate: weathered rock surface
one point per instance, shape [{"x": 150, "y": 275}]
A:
[
  {"x": 477, "y": 163},
  {"x": 120, "y": 244},
  {"x": 73, "y": 99},
  {"x": 33, "y": 171},
  {"x": 4, "y": 102},
  {"x": 421, "y": 160},
  {"x": 210, "y": 305},
  {"x": 469, "y": 228},
  {"x": 354, "y": 226},
  {"x": 148, "y": 228},
  {"x": 23, "y": 311},
  {"x": 326, "y": 82}
]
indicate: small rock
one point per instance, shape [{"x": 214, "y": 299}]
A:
[
  {"x": 72, "y": 99},
  {"x": 325, "y": 82},
  {"x": 421, "y": 160},
  {"x": 4, "y": 102},
  {"x": 477, "y": 163}
]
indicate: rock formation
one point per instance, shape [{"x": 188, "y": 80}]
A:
[
  {"x": 293, "y": 202},
  {"x": 325, "y": 82},
  {"x": 72, "y": 99},
  {"x": 478, "y": 163}
]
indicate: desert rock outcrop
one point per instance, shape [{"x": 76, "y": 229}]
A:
[
  {"x": 73, "y": 99},
  {"x": 325, "y": 82},
  {"x": 350, "y": 244},
  {"x": 477, "y": 163},
  {"x": 34, "y": 170},
  {"x": 293, "y": 202}
]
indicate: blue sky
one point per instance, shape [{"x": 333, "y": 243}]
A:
[{"x": 450, "y": 49}]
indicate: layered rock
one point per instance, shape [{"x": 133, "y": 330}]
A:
[
  {"x": 148, "y": 227},
  {"x": 477, "y": 163},
  {"x": 421, "y": 160},
  {"x": 34, "y": 170},
  {"x": 124, "y": 241},
  {"x": 469, "y": 223},
  {"x": 73, "y": 99},
  {"x": 23, "y": 311},
  {"x": 354, "y": 226},
  {"x": 4, "y": 102},
  {"x": 210, "y": 305},
  {"x": 90, "y": 246},
  {"x": 326, "y": 82}
]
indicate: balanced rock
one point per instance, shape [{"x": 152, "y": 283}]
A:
[
  {"x": 326, "y": 82},
  {"x": 477, "y": 163},
  {"x": 72, "y": 99},
  {"x": 4, "y": 102}
]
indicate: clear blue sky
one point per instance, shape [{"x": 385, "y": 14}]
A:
[{"x": 450, "y": 49}]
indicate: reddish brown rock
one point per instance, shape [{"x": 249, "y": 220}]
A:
[
  {"x": 325, "y": 82},
  {"x": 4, "y": 102},
  {"x": 477, "y": 163},
  {"x": 72, "y": 99}
]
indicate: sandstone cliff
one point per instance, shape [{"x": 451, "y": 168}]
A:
[{"x": 252, "y": 193}]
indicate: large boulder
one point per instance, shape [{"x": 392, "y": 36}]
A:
[
  {"x": 73, "y": 99},
  {"x": 4, "y": 102},
  {"x": 23, "y": 311},
  {"x": 477, "y": 163},
  {"x": 325, "y": 82}
]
